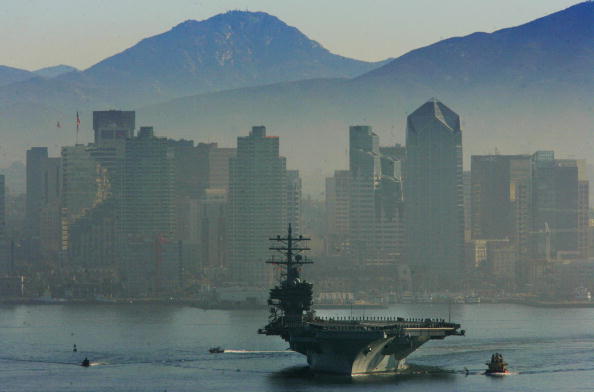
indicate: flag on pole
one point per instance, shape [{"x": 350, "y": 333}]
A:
[{"x": 77, "y": 126}]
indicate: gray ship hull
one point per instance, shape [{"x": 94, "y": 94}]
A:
[{"x": 357, "y": 353}]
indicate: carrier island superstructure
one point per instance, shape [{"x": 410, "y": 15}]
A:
[{"x": 343, "y": 345}]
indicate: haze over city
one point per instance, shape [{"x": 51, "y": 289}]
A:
[{"x": 213, "y": 195}]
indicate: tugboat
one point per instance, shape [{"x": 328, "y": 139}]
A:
[
  {"x": 216, "y": 350},
  {"x": 85, "y": 362},
  {"x": 341, "y": 345},
  {"x": 496, "y": 366}
]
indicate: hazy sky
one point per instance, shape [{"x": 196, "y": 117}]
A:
[{"x": 39, "y": 33}]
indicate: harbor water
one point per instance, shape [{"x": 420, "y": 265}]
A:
[{"x": 165, "y": 348}]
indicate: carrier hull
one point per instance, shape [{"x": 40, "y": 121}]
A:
[
  {"x": 362, "y": 359},
  {"x": 358, "y": 349}
]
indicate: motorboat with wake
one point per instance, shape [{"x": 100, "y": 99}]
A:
[{"x": 497, "y": 366}]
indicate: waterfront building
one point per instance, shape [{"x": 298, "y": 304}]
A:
[
  {"x": 502, "y": 263},
  {"x": 49, "y": 229},
  {"x": 149, "y": 186},
  {"x": 338, "y": 212},
  {"x": 583, "y": 215},
  {"x": 494, "y": 193},
  {"x": 85, "y": 186},
  {"x": 42, "y": 221},
  {"x": 467, "y": 192},
  {"x": 388, "y": 239},
  {"x": 560, "y": 201},
  {"x": 501, "y": 198},
  {"x": 364, "y": 204},
  {"x": 433, "y": 191},
  {"x": 5, "y": 263},
  {"x": 212, "y": 234},
  {"x": 148, "y": 218},
  {"x": 365, "y": 170},
  {"x": 35, "y": 199},
  {"x": 257, "y": 205}
]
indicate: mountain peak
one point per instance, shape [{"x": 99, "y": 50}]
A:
[
  {"x": 228, "y": 50},
  {"x": 230, "y": 18},
  {"x": 53, "y": 71}
]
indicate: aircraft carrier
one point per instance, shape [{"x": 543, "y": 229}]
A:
[{"x": 341, "y": 345}]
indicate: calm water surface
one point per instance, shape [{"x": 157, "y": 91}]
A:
[{"x": 164, "y": 348}]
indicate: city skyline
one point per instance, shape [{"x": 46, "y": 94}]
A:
[{"x": 397, "y": 213}]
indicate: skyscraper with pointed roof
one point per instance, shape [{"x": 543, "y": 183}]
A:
[{"x": 434, "y": 206}]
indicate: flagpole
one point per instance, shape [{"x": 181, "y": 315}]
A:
[{"x": 77, "y": 126}]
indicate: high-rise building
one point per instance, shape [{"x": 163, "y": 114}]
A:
[
  {"x": 466, "y": 181},
  {"x": 583, "y": 216},
  {"x": 92, "y": 202},
  {"x": 92, "y": 243},
  {"x": 337, "y": 202},
  {"x": 257, "y": 205},
  {"x": 365, "y": 169},
  {"x": 388, "y": 239},
  {"x": 112, "y": 128},
  {"x": 559, "y": 203},
  {"x": 434, "y": 210},
  {"x": 149, "y": 186},
  {"x": 338, "y": 211},
  {"x": 35, "y": 199},
  {"x": 218, "y": 167},
  {"x": 85, "y": 186},
  {"x": 501, "y": 198},
  {"x": 148, "y": 218},
  {"x": 396, "y": 153},
  {"x": 42, "y": 223},
  {"x": 50, "y": 221},
  {"x": 495, "y": 180},
  {"x": 110, "y": 125},
  {"x": 294, "y": 199},
  {"x": 202, "y": 184},
  {"x": 4, "y": 256},
  {"x": 10, "y": 283},
  {"x": 212, "y": 233}
]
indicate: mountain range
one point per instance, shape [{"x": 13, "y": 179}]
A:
[
  {"x": 227, "y": 51},
  {"x": 517, "y": 89},
  {"x": 10, "y": 75}
]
